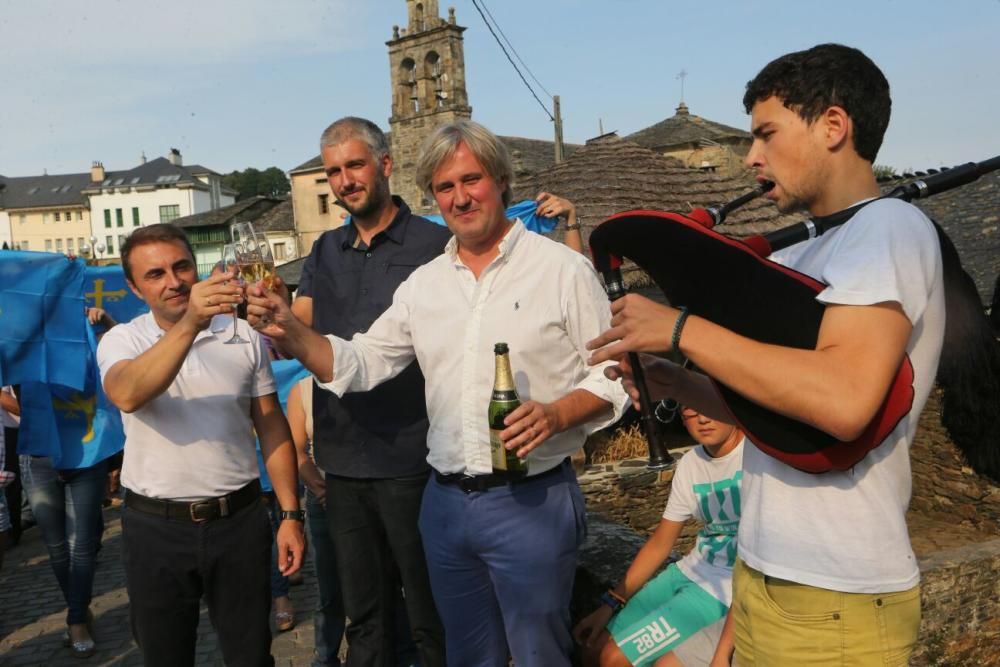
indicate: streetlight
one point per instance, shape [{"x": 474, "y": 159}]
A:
[{"x": 97, "y": 248}]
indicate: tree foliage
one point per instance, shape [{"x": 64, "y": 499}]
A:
[
  {"x": 884, "y": 171},
  {"x": 251, "y": 182}
]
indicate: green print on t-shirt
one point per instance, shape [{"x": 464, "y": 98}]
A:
[{"x": 720, "y": 506}]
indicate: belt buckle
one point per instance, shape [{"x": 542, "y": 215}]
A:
[
  {"x": 468, "y": 483},
  {"x": 193, "y": 511}
]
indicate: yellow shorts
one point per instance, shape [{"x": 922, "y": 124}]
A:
[{"x": 780, "y": 623}]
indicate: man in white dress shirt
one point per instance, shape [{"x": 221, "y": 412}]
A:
[{"x": 501, "y": 553}]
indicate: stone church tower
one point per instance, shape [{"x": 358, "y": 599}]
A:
[{"x": 427, "y": 66}]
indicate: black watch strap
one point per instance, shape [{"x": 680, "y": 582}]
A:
[{"x": 294, "y": 515}]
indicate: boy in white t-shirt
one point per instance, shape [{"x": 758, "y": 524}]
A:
[
  {"x": 825, "y": 571},
  {"x": 676, "y": 617}
]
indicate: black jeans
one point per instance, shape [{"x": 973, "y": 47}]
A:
[
  {"x": 171, "y": 563},
  {"x": 373, "y": 523}
]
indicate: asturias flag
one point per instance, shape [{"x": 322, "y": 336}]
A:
[{"x": 42, "y": 325}]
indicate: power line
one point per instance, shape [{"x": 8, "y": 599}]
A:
[
  {"x": 513, "y": 50},
  {"x": 512, "y": 63}
]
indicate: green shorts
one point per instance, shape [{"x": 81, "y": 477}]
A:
[{"x": 667, "y": 610}]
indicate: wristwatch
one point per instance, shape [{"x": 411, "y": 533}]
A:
[{"x": 294, "y": 515}]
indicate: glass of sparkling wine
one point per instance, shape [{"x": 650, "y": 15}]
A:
[
  {"x": 231, "y": 263},
  {"x": 266, "y": 263}
]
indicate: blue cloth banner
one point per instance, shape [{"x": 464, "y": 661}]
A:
[
  {"x": 525, "y": 210},
  {"x": 287, "y": 374},
  {"x": 105, "y": 287},
  {"x": 76, "y": 428},
  {"x": 42, "y": 328}
]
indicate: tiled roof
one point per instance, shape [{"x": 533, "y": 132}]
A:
[
  {"x": 970, "y": 214},
  {"x": 684, "y": 128},
  {"x": 291, "y": 272},
  {"x": 39, "y": 191},
  {"x": 610, "y": 175},
  {"x": 277, "y": 219},
  {"x": 530, "y": 156},
  {"x": 252, "y": 209}
]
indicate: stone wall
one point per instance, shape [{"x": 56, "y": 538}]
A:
[
  {"x": 944, "y": 487},
  {"x": 960, "y": 590}
]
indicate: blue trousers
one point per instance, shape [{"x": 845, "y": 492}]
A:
[
  {"x": 329, "y": 617},
  {"x": 501, "y": 564},
  {"x": 67, "y": 507}
]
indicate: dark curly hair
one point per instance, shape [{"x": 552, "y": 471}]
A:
[{"x": 811, "y": 81}]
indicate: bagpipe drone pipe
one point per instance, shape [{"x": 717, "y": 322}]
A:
[{"x": 732, "y": 283}]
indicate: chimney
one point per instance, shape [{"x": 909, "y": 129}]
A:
[
  {"x": 96, "y": 172},
  {"x": 175, "y": 157},
  {"x": 142, "y": 158}
]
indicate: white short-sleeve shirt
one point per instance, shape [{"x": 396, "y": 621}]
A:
[
  {"x": 196, "y": 439},
  {"x": 846, "y": 530}
]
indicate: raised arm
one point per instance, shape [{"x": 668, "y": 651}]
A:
[
  {"x": 132, "y": 383},
  {"x": 836, "y": 387},
  {"x": 550, "y": 206}
]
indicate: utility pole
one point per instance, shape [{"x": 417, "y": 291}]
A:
[{"x": 558, "y": 127}]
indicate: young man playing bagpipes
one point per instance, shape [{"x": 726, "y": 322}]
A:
[{"x": 825, "y": 574}]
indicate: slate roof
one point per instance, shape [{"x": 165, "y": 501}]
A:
[
  {"x": 40, "y": 191},
  {"x": 530, "y": 156},
  {"x": 158, "y": 172},
  {"x": 970, "y": 215},
  {"x": 291, "y": 272},
  {"x": 278, "y": 218},
  {"x": 684, "y": 128},
  {"x": 257, "y": 210},
  {"x": 611, "y": 174}
]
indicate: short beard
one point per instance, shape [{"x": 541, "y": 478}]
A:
[{"x": 377, "y": 198}]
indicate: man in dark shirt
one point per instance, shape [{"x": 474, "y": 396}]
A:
[{"x": 372, "y": 445}]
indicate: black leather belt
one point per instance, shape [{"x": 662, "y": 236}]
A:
[
  {"x": 480, "y": 483},
  {"x": 198, "y": 511}
]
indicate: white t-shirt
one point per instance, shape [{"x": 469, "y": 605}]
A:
[
  {"x": 708, "y": 489},
  {"x": 196, "y": 439},
  {"x": 846, "y": 531}
]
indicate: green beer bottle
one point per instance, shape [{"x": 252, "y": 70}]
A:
[{"x": 504, "y": 401}]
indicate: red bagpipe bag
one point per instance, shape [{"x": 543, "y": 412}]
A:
[{"x": 728, "y": 282}]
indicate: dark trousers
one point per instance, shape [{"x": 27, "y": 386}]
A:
[
  {"x": 170, "y": 564},
  {"x": 373, "y": 524}
]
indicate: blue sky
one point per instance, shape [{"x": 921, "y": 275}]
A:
[{"x": 238, "y": 83}]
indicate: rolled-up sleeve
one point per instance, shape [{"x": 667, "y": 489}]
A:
[{"x": 588, "y": 313}]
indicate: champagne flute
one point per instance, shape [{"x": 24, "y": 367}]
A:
[
  {"x": 243, "y": 233},
  {"x": 266, "y": 264},
  {"x": 231, "y": 263}
]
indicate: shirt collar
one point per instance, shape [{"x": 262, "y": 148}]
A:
[
  {"x": 218, "y": 324},
  {"x": 395, "y": 232},
  {"x": 507, "y": 243}
]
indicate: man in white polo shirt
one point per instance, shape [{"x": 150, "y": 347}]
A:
[{"x": 193, "y": 524}]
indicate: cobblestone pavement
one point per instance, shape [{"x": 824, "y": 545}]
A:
[{"x": 33, "y": 613}]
